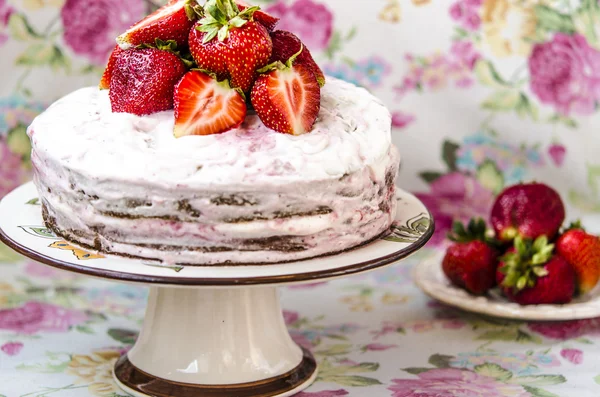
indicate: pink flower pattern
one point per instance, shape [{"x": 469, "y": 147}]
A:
[
  {"x": 90, "y": 28},
  {"x": 575, "y": 356},
  {"x": 34, "y": 317},
  {"x": 12, "y": 348},
  {"x": 311, "y": 21},
  {"x": 565, "y": 73},
  {"x": 455, "y": 196},
  {"x": 12, "y": 172},
  {"x": 6, "y": 12},
  {"x": 450, "y": 382}
]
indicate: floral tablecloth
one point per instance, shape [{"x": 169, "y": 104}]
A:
[{"x": 484, "y": 93}]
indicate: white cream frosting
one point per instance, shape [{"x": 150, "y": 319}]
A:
[
  {"x": 80, "y": 130},
  {"x": 126, "y": 185}
]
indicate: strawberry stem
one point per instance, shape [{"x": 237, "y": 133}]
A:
[
  {"x": 220, "y": 16},
  {"x": 526, "y": 264}
]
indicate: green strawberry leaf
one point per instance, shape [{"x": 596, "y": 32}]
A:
[
  {"x": 493, "y": 371},
  {"x": 597, "y": 379},
  {"x": 539, "y": 380},
  {"x": 34, "y": 201}
]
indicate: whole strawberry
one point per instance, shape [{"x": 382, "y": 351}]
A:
[
  {"x": 532, "y": 274},
  {"x": 230, "y": 44},
  {"x": 262, "y": 17},
  {"x": 143, "y": 81},
  {"x": 171, "y": 22},
  {"x": 470, "y": 263},
  {"x": 527, "y": 210},
  {"x": 286, "y": 44},
  {"x": 107, "y": 75},
  {"x": 582, "y": 251}
]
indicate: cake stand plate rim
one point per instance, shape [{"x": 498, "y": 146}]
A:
[{"x": 242, "y": 281}]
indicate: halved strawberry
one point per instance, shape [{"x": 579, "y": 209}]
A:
[
  {"x": 287, "y": 98},
  {"x": 262, "y": 17},
  {"x": 107, "y": 76},
  {"x": 286, "y": 44},
  {"x": 205, "y": 106},
  {"x": 171, "y": 22},
  {"x": 143, "y": 81}
]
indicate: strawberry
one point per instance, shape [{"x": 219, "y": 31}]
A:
[
  {"x": 143, "y": 81},
  {"x": 286, "y": 44},
  {"x": 230, "y": 44},
  {"x": 107, "y": 76},
  {"x": 265, "y": 19},
  {"x": 527, "y": 210},
  {"x": 582, "y": 251},
  {"x": 531, "y": 274},
  {"x": 204, "y": 106},
  {"x": 470, "y": 263},
  {"x": 287, "y": 98},
  {"x": 171, "y": 22}
]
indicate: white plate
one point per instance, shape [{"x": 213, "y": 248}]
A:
[
  {"x": 430, "y": 277},
  {"x": 22, "y": 228}
]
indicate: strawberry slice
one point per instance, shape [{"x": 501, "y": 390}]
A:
[
  {"x": 170, "y": 22},
  {"x": 287, "y": 98},
  {"x": 286, "y": 44},
  {"x": 107, "y": 76},
  {"x": 205, "y": 106},
  {"x": 262, "y": 17}
]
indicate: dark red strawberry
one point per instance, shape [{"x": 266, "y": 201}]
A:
[
  {"x": 204, "y": 106},
  {"x": 171, "y": 22},
  {"x": 107, "y": 76},
  {"x": 287, "y": 98},
  {"x": 528, "y": 210},
  {"x": 531, "y": 274},
  {"x": 582, "y": 251},
  {"x": 286, "y": 44},
  {"x": 470, "y": 262},
  {"x": 228, "y": 43},
  {"x": 144, "y": 80},
  {"x": 262, "y": 17}
]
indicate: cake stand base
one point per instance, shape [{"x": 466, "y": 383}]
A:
[{"x": 209, "y": 342}]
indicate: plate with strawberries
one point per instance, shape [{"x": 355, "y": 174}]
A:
[{"x": 525, "y": 265}]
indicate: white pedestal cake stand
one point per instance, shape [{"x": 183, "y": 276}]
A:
[{"x": 211, "y": 330}]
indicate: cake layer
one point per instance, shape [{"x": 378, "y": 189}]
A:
[{"x": 122, "y": 184}]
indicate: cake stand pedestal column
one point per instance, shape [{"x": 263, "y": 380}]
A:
[{"x": 203, "y": 341}]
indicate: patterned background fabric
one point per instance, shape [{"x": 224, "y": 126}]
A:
[{"x": 484, "y": 93}]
